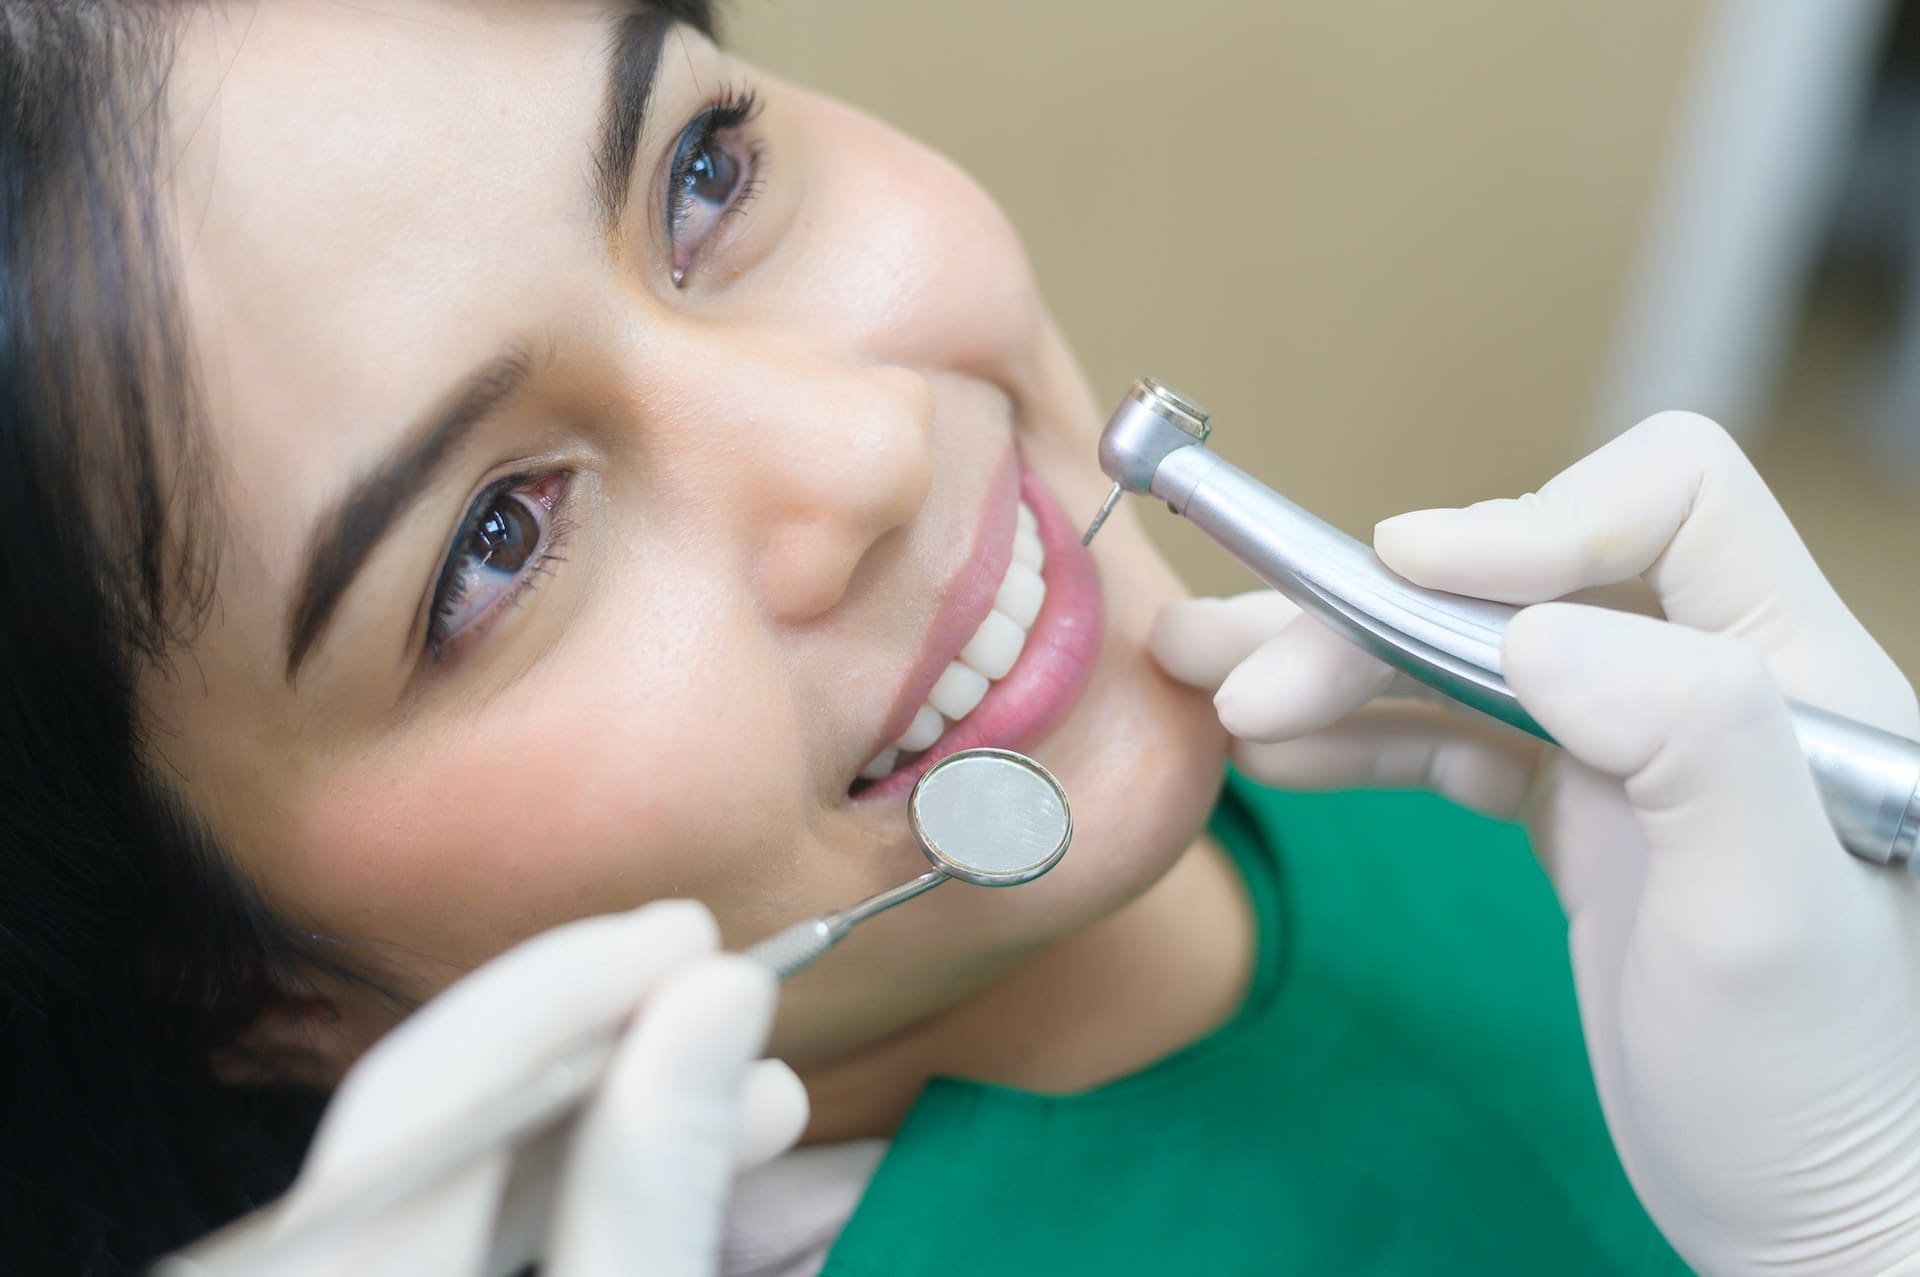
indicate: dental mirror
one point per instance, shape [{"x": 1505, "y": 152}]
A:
[{"x": 989, "y": 817}]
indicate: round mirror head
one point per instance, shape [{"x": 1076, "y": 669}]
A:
[{"x": 991, "y": 817}]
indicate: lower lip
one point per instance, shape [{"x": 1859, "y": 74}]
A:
[{"x": 1054, "y": 665}]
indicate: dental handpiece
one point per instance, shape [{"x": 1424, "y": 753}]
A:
[{"x": 1156, "y": 444}]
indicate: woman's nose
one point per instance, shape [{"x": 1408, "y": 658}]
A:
[{"x": 829, "y": 466}]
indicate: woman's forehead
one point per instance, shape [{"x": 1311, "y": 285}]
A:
[
  {"x": 328, "y": 157},
  {"x": 363, "y": 199}
]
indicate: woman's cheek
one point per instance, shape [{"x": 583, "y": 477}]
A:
[{"x": 566, "y": 799}]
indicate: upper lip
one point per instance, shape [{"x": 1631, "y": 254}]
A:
[{"x": 968, "y": 595}]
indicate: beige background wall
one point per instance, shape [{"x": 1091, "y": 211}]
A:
[{"x": 1383, "y": 240}]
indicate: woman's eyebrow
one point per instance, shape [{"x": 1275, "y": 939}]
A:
[
  {"x": 345, "y": 536},
  {"x": 633, "y": 64}
]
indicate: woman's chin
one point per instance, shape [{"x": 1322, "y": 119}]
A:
[
  {"x": 1141, "y": 757},
  {"x": 1142, "y": 772}
]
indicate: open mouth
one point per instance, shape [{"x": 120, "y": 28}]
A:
[
  {"x": 1023, "y": 664},
  {"x": 987, "y": 657}
]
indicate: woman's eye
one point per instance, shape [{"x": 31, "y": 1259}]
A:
[
  {"x": 504, "y": 545},
  {"x": 713, "y": 177}
]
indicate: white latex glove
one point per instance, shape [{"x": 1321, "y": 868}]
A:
[
  {"x": 639, "y": 1183},
  {"x": 1750, "y": 992}
]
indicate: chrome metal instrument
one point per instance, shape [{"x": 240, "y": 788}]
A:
[{"x": 1156, "y": 443}]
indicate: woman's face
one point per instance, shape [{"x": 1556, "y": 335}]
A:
[{"x": 616, "y": 445}]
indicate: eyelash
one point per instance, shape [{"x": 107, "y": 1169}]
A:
[
  {"x": 734, "y": 109},
  {"x": 450, "y": 587}
]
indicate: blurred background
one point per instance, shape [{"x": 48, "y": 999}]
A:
[{"x": 1414, "y": 254}]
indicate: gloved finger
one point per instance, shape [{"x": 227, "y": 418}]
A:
[
  {"x": 1471, "y": 759},
  {"x": 1743, "y": 869},
  {"x": 773, "y": 1113},
  {"x": 646, "y": 1185},
  {"x": 1301, "y": 680},
  {"x": 446, "y": 1227},
  {"x": 1674, "y": 491},
  {"x": 500, "y": 1023},
  {"x": 1674, "y": 499},
  {"x": 1199, "y": 641}
]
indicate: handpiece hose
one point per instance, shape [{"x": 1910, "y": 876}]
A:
[{"x": 1155, "y": 444}]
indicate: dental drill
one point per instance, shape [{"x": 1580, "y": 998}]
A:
[{"x": 1156, "y": 444}]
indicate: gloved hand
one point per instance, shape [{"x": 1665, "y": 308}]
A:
[
  {"x": 640, "y": 1182},
  {"x": 1750, "y": 992}
]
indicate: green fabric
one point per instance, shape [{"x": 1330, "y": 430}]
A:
[{"x": 1404, "y": 1091}]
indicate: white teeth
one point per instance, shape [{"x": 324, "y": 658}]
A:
[
  {"x": 958, "y": 691},
  {"x": 926, "y": 728},
  {"x": 1027, "y": 551},
  {"x": 1021, "y": 595},
  {"x": 988, "y": 655},
  {"x": 995, "y": 645}
]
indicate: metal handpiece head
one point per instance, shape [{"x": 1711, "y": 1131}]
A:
[{"x": 1152, "y": 421}]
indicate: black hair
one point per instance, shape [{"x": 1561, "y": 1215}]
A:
[{"x": 131, "y": 948}]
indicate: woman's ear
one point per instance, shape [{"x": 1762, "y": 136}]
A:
[{"x": 304, "y": 1039}]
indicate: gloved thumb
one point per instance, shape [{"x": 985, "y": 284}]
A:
[
  {"x": 654, "y": 1158},
  {"x": 773, "y": 1113},
  {"x": 1276, "y": 672},
  {"x": 1740, "y": 855},
  {"x": 1200, "y": 641}
]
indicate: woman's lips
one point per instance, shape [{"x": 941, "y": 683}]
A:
[
  {"x": 1060, "y": 647},
  {"x": 969, "y": 598}
]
